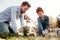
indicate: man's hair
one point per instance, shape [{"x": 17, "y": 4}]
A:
[
  {"x": 39, "y": 9},
  {"x": 26, "y": 3}
]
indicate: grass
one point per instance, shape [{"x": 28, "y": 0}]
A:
[
  {"x": 14, "y": 37},
  {"x": 7, "y": 36},
  {"x": 33, "y": 38}
]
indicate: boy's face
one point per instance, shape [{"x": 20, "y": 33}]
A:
[
  {"x": 40, "y": 14},
  {"x": 24, "y": 8}
]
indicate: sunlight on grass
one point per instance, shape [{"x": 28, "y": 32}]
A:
[{"x": 33, "y": 38}]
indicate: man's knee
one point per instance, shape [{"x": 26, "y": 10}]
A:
[{"x": 4, "y": 27}]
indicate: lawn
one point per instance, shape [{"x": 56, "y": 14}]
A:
[
  {"x": 5, "y": 36},
  {"x": 33, "y": 38}
]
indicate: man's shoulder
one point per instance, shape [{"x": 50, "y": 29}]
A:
[{"x": 14, "y": 7}]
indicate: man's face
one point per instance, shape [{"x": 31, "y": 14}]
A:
[
  {"x": 24, "y": 8},
  {"x": 40, "y": 14}
]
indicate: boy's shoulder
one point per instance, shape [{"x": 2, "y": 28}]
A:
[{"x": 46, "y": 16}]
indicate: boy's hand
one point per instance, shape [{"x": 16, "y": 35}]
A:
[{"x": 45, "y": 32}]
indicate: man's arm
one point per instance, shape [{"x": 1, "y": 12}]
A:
[{"x": 13, "y": 19}]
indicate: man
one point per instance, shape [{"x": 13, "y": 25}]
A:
[
  {"x": 43, "y": 21},
  {"x": 10, "y": 15}
]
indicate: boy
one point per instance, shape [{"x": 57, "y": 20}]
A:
[{"x": 43, "y": 21}]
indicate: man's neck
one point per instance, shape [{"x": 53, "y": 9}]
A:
[{"x": 21, "y": 11}]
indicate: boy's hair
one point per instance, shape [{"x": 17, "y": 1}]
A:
[
  {"x": 39, "y": 9},
  {"x": 26, "y": 3}
]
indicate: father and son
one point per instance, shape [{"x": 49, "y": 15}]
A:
[{"x": 11, "y": 14}]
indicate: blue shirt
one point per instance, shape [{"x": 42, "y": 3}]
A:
[
  {"x": 43, "y": 23},
  {"x": 10, "y": 15}
]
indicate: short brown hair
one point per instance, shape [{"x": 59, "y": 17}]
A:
[
  {"x": 39, "y": 9},
  {"x": 26, "y": 3}
]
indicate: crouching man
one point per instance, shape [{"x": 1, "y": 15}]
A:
[
  {"x": 10, "y": 15},
  {"x": 43, "y": 21}
]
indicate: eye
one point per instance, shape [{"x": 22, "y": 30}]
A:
[{"x": 26, "y": 9}]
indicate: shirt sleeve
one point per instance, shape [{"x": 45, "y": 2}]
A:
[
  {"x": 13, "y": 19},
  {"x": 39, "y": 24},
  {"x": 47, "y": 22}
]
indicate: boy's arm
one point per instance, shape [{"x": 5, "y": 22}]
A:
[
  {"x": 47, "y": 23},
  {"x": 39, "y": 24}
]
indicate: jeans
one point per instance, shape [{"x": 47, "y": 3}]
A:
[{"x": 4, "y": 27}]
